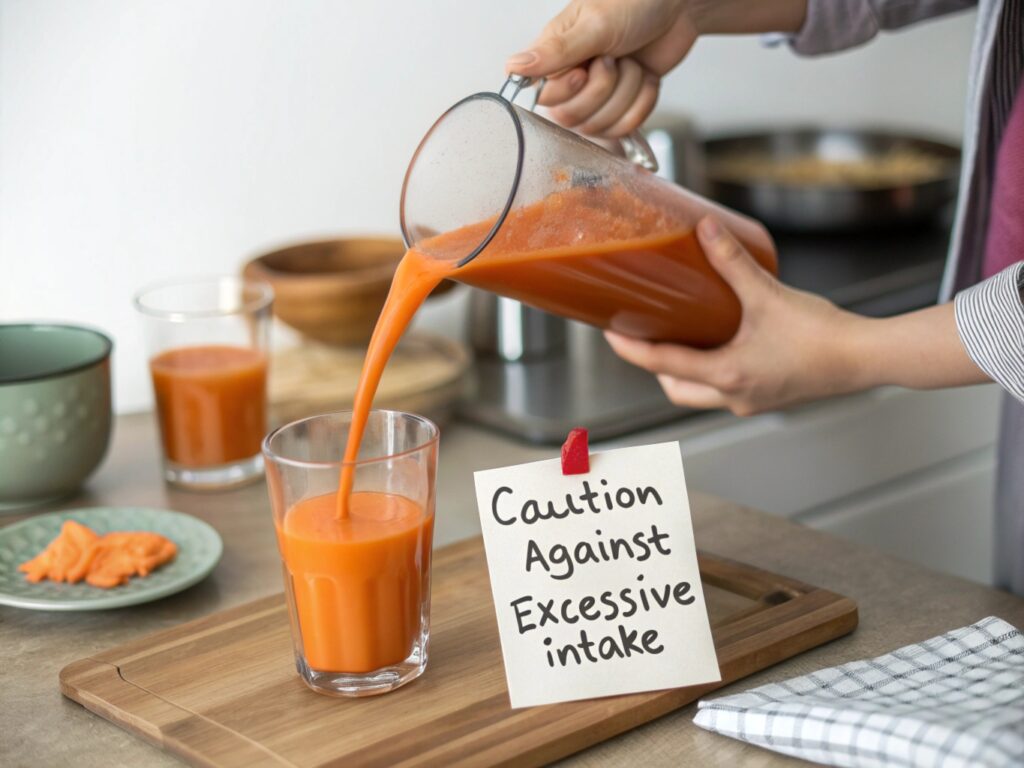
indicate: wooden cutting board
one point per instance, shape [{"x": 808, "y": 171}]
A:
[{"x": 222, "y": 691}]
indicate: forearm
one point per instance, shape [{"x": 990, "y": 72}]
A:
[
  {"x": 731, "y": 17},
  {"x": 918, "y": 350}
]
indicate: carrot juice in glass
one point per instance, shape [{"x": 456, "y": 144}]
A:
[
  {"x": 208, "y": 340},
  {"x": 357, "y": 579}
]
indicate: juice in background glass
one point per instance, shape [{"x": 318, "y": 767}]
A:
[
  {"x": 211, "y": 403},
  {"x": 208, "y": 341}
]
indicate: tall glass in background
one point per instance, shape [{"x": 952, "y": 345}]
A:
[
  {"x": 208, "y": 342},
  {"x": 357, "y": 582}
]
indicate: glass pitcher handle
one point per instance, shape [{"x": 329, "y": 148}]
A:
[
  {"x": 634, "y": 145},
  {"x": 638, "y": 151}
]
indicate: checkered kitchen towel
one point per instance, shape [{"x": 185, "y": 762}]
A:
[{"x": 954, "y": 700}]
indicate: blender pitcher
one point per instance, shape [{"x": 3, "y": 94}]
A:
[{"x": 529, "y": 210}]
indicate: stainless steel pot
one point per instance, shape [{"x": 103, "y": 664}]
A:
[{"x": 511, "y": 331}]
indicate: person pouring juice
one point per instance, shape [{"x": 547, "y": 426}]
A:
[
  {"x": 501, "y": 199},
  {"x": 604, "y": 60},
  {"x": 504, "y": 200}
]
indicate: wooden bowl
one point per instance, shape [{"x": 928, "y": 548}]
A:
[{"x": 331, "y": 290}]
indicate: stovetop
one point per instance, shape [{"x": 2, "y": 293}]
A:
[{"x": 877, "y": 274}]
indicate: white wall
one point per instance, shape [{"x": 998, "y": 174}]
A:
[{"x": 141, "y": 139}]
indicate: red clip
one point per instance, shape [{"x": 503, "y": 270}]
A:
[{"x": 576, "y": 453}]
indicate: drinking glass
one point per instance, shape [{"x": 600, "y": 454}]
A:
[
  {"x": 208, "y": 341},
  {"x": 357, "y": 580}
]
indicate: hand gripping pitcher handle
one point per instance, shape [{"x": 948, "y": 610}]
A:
[{"x": 634, "y": 145}]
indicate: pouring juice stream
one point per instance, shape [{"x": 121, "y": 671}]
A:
[
  {"x": 584, "y": 252},
  {"x": 415, "y": 278}
]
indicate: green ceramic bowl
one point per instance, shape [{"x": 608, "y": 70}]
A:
[{"x": 54, "y": 410}]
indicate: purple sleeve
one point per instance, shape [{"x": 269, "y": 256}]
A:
[{"x": 833, "y": 25}]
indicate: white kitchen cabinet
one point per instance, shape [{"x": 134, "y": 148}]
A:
[
  {"x": 907, "y": 472},
  {"x": 789, "y": 463},
  {"x": 941, "y": 517}
]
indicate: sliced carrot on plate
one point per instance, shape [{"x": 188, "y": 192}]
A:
[{"x": 103, "y": 561}]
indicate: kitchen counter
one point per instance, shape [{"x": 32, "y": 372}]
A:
[{"x": 899, "y": 602}]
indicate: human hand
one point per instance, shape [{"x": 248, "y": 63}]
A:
[
  {"x": 791, "y": 346},
  {"x": 604, "y": 59}
]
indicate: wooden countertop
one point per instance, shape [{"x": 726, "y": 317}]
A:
[{"x": 899, "y": 602}]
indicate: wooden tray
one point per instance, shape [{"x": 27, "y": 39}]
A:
[{"x": 222, "y": 691}]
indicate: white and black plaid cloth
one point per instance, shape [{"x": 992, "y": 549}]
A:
[{"x": 954, "y": 700}]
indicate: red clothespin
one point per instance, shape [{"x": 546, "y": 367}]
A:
[{"x": 576, "y": 453}]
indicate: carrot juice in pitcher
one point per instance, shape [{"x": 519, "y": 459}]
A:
[{"x": 607, "y": 258}]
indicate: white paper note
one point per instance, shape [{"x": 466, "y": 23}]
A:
[{"x": 595, "y": 577}]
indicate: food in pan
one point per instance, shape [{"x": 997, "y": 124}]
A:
[{"x": 895, "y": 167}]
